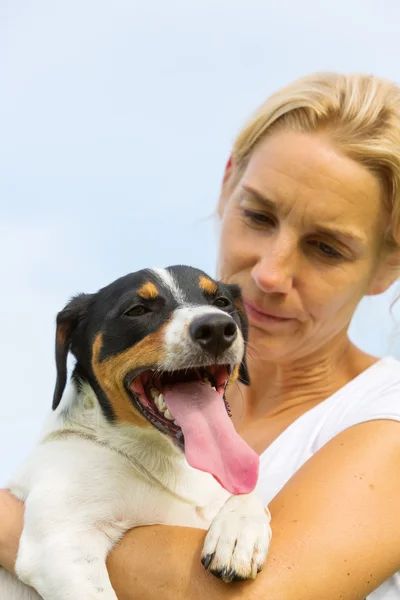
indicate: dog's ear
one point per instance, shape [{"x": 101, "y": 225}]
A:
[
  {"x": 244, "y": 376},
  {"x": 66, "y": 324}
]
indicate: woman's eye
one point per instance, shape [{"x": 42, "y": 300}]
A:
[
  {"x": 137, "y": 311},
  {"x": 221, "y": 302},
  {"x": 258, "y": 218},
  {"x": 327, "y": 250}
]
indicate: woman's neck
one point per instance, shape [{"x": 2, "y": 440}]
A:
[{"x": 279, "y": 387}]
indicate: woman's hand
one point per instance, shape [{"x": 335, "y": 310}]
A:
[{"x": 11, "y": 523}]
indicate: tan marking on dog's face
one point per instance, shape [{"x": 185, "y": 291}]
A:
[
  {"x": 240, "y": 307},
  {"x": 208, "y": 285},
  {"x": 234, "y": 376},
  {"x": 111, "y": 372},
  {"x": 148, "y": 291}
]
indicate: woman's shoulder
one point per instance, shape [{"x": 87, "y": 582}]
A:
[
  {"x": 381, "y": 380},
  {"x": 383, "y": 367},
  {"x": 372, "y": 395}
]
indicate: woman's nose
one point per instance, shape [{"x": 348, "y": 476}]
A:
[{"x": 274, "y": 271}]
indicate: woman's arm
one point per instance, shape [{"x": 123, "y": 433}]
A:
[
  {"x": 335, "y": 531},
  {"x": 11, "y": 522},
  {"x": 163, "y": 563}
]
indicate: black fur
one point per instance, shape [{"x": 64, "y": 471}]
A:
[
  {"x": 105, "y": 312},
  {"x": 69, "y": 322},
  {"x": 244, "y": 376}
]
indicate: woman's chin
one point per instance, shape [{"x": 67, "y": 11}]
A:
[{"x": 272, "y": 347}]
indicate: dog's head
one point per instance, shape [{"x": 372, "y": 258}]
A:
[{"x": 159, "y": 347}]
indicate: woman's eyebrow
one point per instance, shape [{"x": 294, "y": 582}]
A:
[{"x": 346, "y": 235}]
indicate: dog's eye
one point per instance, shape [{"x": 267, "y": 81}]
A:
[
  {"x": 137, "y": 311},
  {"x": 222, "y": 302}
]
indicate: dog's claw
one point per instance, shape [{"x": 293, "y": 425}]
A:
[
  {"x": 228, "y": 575},
  {"x": 236, "y": 544},
  {"x": 206, "y": 560},
  {"x": 231, "y": 575}
]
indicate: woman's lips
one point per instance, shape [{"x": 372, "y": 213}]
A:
[{"x": 268, "y": 317}]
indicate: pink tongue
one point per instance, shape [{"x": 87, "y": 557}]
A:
[{"x": 211, "y": 441}]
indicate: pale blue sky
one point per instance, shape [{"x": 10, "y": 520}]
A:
[{"x": 116, "y": 119}]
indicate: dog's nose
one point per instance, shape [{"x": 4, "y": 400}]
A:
[{"x": 214, "y": 333}]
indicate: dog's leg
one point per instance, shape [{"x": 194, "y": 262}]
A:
[
  {"x": 71, "y": 569},
  {"x": 237, "y": 542},
  {"x": 13, "y": 589},
  {"x": 62, "y": 552}
]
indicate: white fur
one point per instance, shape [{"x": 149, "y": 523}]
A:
[
  {"x": 88, "y": 482},
  {"x": 182, "y": 348},
  {"x": 168, "y": 279}
]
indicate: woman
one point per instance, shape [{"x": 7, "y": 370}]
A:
[{"x": 310, "y": 223}]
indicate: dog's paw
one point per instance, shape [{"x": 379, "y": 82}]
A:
[{"x": 237, "y": 542}]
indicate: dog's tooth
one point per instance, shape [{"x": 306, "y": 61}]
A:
[
  {"x": 214, "y": 388},
  {"x": 159, "y": 402},
  {"x": 162, "y": 401},
  {"x": 168, "y": 415},
  {"x": 154, "y": 393}
]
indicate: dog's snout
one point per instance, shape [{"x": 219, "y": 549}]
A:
[{"x": 214, "y": 333}]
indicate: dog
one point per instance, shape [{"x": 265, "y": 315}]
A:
[{"x": 140, "y": 435}]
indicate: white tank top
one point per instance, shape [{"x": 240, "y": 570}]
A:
[{"x": 374, "y": 394}]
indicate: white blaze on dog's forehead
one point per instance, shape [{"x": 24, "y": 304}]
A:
[{"x": 170, "y": 282}]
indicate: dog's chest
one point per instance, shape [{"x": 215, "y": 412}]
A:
[
  {"x": 110, "y": 490},
  {"x": 161, "y": 508},
  {"x": 188, "y": 504}
]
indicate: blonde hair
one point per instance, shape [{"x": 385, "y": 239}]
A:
[{"x": 361, "y": 114}]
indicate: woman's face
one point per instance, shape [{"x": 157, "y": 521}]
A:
[{"x": 301, "y": 234}]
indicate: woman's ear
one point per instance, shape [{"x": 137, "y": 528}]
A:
[
  {"x": 226, "y": 187},
  {"x": 387, "y": 273},
  {"x": 228, "y": 169}
]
